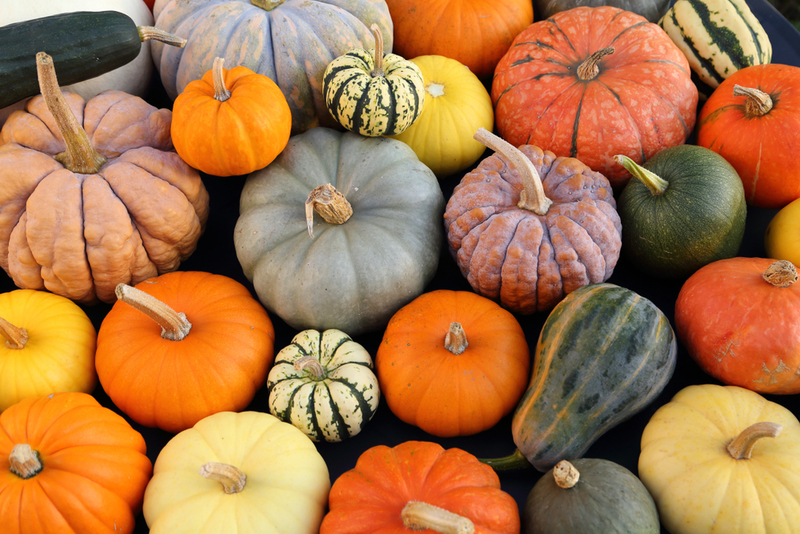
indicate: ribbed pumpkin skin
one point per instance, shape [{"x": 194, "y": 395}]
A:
[
  {"x": 652, "y": 10},
  {"x": 604, "y": 353}
]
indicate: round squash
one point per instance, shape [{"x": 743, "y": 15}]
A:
[
  {"x": 237, "y": 472},
  {"x": 456, "y": 105},
  {"x": 684, "y": 209},
  {"x": 652, "y": 10},
  {"x": 782, "y": 238},
  {"x": 580, "y": 84},
  {"x": 323, "y": 383},
  {"x": 71, "y": 466},
  {"x": 740, "y": 321},
  {"x": 49, "y": 345},
  {"x": 340, "y": 231},
  {"x": 723, "y": 459},
  {"x": 452, "y": 363}
]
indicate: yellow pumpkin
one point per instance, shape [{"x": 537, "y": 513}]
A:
[
  {"x": 49, "y": 346},
  {"x": 723, "y": 459},
  {"x": 782, "y": 239},
  {"x": 456, "y": 105}
]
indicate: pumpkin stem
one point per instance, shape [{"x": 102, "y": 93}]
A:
[
  {"x": 15, "y": 336},
  {"x": 654, "y": 182},
  {"x": 329, "y": 203},
  {"x": 24, "y": 461},
  {"x": 311, "y": 364},
  {"x": 435, "y": 89},
  {"x": 456, "y": 339},
  {"x": 174, "y": 325},
  {"x": 377, "y": 70},
  {"x": 231, "y": 478},
  {"x": 588, "y": 70},
  {"x": 781, "y": 273},
  {"x": 80, "y": 156},
  {"x": 741, "y": 448},
  {"x": 421, "y": 515},
  {"x": 221, "y": 92},
  {"x": 565, "y": 474},
  {"x": 758, "y": 102},
  {"x": 515, "y": 460},
  {"x": 532, "y": 197},
  {"x": 267, "y": 5},
  {"x": 151, "y": 33}
]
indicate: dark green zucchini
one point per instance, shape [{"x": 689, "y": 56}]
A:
[{"x": 83, "y": 45}]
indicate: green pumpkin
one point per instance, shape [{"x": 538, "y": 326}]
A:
[
  {"x": 652, "y": 10},
  {"x": 686, "y": 209},
  {"x": 355, "y": 272}
]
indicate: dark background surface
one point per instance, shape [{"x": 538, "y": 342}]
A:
[{"x": 215, "y": 253}]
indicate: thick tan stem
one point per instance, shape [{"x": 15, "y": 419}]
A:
[
  {"x": 421, "y": 515},
  {"x": 588, "y": 70},
  {"x": 654, "y": 182},
  {"x": 741, "y": 448},
  {"x": 312, "y": 365},
  {"x": 15, "y": 337},
  {"x": 377, "y": 70},
  {"x": 232, "y": 480},
  {"x": 80, "y": 156},
  {"x": 329, "y": 203},
  {"x": 565, "y": 474},
  {"x": 174, "y": 325},
  {"x": 24, "y": 461},
  {"x": 758, "y": 103},
  {"x": 456, "y": 339},
  {"x": 221, "y": 92},
  {"x": 781, "y": 273},
  {"x": 267, "y": 5},
  {"x": 151, "y": 33},
  {"x": 532, "y": 197}
]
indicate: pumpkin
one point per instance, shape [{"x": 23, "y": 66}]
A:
[
  {"x": 237, "y": 472},
  {"x": 738, "y": 319},
  {"x": 456, "y": 104},
  {"x": 418, "y": 485},
  {"x": 340, "y": 231},
  {"x": 71, "y": 466},
  {"x": 580, "y": 84},
  {"x": 452, "y": 363},
  {"x": 685, "y": 209},
  {"x": 604, "y": 354},
  {"x": 652, "y": 10},
  {"x": 373, "y": 94},
  {"x": 290, "y": 41},
  {"x": 587, "y": 496},
  {"x": 323, "y": 383},
  {"x": 751, "y": 120},
  {"x": 782, "y": 237},
  {"x": 49, "y": 346},
  {"x": 528, "y": 241},
  {"x": 114, "y": 204},
  {"x": 476, "y": 33},
  {"x": 230, "y": 122},
  {"x": 723, "y": 459},
  {"x": 181, "y": 346}
]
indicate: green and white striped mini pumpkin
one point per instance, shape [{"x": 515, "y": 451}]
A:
[
  {"x": 373, "y": 94},
  {"x": 323, "y": 384},
  {"x": 718, "y": 38}
]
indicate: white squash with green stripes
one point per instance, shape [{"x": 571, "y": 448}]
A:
[
  {"x": 718, "y": 37},
  {"x": 324, "y": 384}
]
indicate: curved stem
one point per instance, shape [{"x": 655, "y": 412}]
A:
[
  {"x": 456, "y": 339},
  {"x": 565, "y": 474},
  {"x": 221, "y": 92},
  {"x": 377, "y": 69},
  {"x": 231, "y": 478},
  {"x": 15, "y": 337},
  {"x": 24, "y": 461},
  {"x": 588, "y": 70},
  {"x": 267, "y": 5},
  {"x": 151, "y": 33},
  {"x": 174, "y": 325},
  {"x": 329, "y": 203},
  {"x": 758, "y": 103},
  {"x": 654, "y": 182},
  {"x": 515, "y": 460},
  {"x": 421, "y": 515},
  {"x": 781, "y": 273},
  {"x": 312, "y": 365},
  {"x": 532, "y": 197},
  {"x": 741, "y": 448}
]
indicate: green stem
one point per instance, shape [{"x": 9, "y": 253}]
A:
[
  {"x": 267, "y": 5},
  {"x": 654, "y": 182},
  {"x": 515, "y": 460}
]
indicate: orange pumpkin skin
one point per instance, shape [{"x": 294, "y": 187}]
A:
[
  {"x": 218, "y": 366},
  {"x": 442, "y": 393},
  {"x": 450, "y": 28},
  {"x": 739, "y": 328},
  {"x": 371, "y": 497},
  {"x": 762, "y": 149},
  {"x": 94, "y": 473},
  {"x": 641, "y": 101}
]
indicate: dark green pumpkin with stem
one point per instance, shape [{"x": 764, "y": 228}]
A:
[{"x": 684, "y": 209}]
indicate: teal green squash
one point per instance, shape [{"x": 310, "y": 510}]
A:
[{"x": 686, "y": 209}]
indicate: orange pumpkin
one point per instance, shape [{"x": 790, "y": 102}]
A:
[
  {"x": 71, "y": 466},
  {"x": 230, "y": 122},
  {"x": 182, "y": 346},
  {"x": 452, "y": 363},
  {"x": 752, "y": 121}
]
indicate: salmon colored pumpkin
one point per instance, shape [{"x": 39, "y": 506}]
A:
[
  {"x": 182, "y": 346},
  {"x": 753, "y": 120},
  {"x": 452, "y": 363},
  {"x": 71, "y": 466}
]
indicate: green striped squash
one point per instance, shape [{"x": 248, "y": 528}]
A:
[
  {"x": 324, "y": 384},
  {"x": 373, "y": 94},
  {"x": 718, "y": 37},
  {"x": 604, "y": 353}
]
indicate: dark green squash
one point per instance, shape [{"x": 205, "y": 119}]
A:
[
  {"x": 652, "y": 10},
  {"x": 686, "y": 209},
  {"x": 589, "y": 496}
]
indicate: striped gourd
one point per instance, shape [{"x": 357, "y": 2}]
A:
[
  {"x": 373, "y": 94},
  {"x": 324, "y": 384},
  {"x": 718, "y": 37}
]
